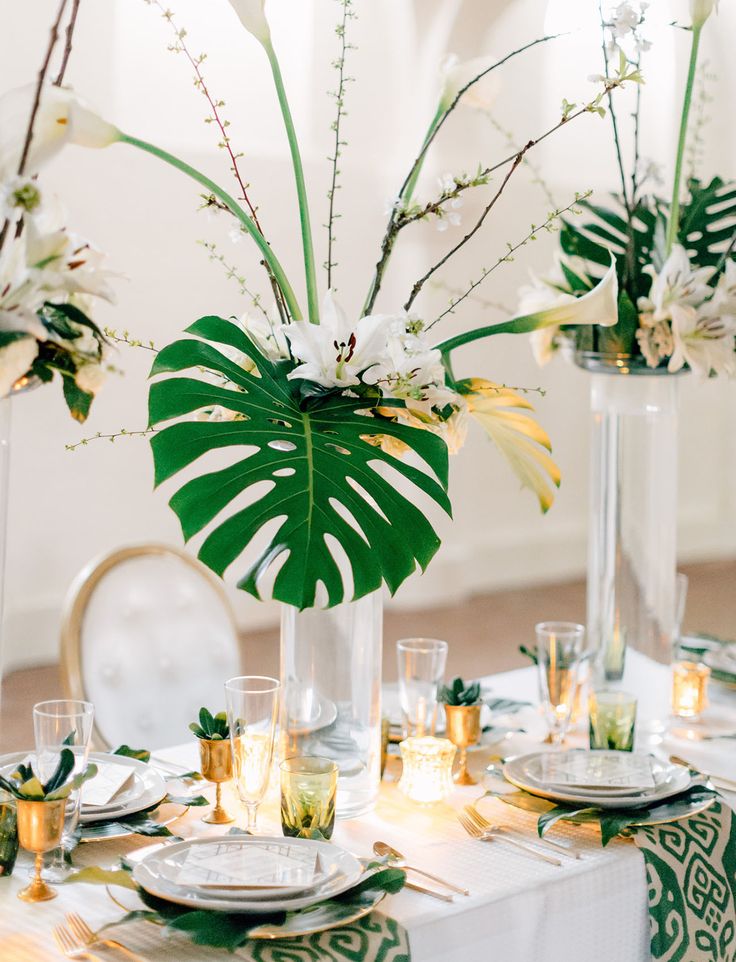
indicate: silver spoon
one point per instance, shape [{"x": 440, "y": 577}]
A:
[{"x": 385, "y": 850}]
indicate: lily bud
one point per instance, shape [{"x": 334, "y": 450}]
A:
[
  {"x": 457, "y": 75},
  {"x": 700, "y": 10},
  {"x": 253, "y": 17}
]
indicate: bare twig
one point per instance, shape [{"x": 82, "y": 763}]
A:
[
  {"x": 69, "y": 36},
  {"x": 122, "y": 433},
  {"x": 537, "y": 177},
  {"x": 339, "y": 95}
]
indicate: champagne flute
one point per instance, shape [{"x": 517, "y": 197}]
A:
[
  {"x": 58, "y": 724},
  {"x": 252, "y": 708},
  {"x": 559, "y": 651},
  {"x": 421, "y": 669}
]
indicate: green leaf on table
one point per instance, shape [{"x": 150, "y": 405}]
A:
[
  {"x": 94, "y": 875},
  {"x": 548, "y": 819},
  {"x": 311, "y": 463},
  {"x": 614, "y": 823},
  {"x": 142, "y": 754},
  {"x": 525, "y": 801},
  {"x": 191, "y": 801}
]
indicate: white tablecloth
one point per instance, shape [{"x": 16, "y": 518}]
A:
[{"x": 520, "y": 910}]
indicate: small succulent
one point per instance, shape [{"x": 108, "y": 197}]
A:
[
  {"x": 460, "y": 693},
  {"x": 213, "y": 728},
  {"x": 25, "y": 785},
  {"x": 531, "y": 655}
]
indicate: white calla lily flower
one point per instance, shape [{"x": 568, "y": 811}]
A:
[
  {"x": 456, "y": 75},
  {"x": 700, "y": 10},
  {"x": 253, "y": 17},
  {"x": 62, "y": 118}
]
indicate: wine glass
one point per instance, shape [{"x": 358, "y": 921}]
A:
[
  {"x": 58, "y": 724},
  {"x": 252, "y": 708},
  {"x": 559, "y": 651}
]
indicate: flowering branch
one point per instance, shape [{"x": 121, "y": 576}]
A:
[
  {"x": 339, "y": 95},
  {"x": 231, "y": 272},
  {"x": 391, "y": 232},
  {"x": 548, "y": 225},
  {"x": 537, "y": 177},
  {"x": 69, "y": 36},
  {"x": 122, "y": 433},
  {"x": 125, "y": 338},
  {"x": 612, "y": 112}
]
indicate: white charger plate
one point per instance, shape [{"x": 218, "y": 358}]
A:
[
  {"x": 156, "y": 873},
  {"x": 524, "y": 772},
  {"x": 147, "y": 789}
]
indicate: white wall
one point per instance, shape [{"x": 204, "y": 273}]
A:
[{"x": 66, "y": 508}]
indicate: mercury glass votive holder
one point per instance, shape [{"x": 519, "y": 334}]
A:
[
  {"x": 689, "y": 689},
  {"x": 427, "y": 771}
]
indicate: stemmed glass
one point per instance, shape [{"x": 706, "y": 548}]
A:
[
  {"x": 559, "y": 652},
  {"x": 252, "y": 708},
  {"x": 59, "y": 724},
  {"x": 421, "y": 669}
]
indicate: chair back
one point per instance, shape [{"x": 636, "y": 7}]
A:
[{"x": 148, "y": 636}]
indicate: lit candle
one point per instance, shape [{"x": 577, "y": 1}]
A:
[
  {"x": 427, "y": 773},
  {"x": 689, "y": 688}
]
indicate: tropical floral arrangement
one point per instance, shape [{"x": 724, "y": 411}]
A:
[
  {"x": 339, "y": 420},
  {"x": 50, "y": 277},
  {"x": 674, "y": 257}
]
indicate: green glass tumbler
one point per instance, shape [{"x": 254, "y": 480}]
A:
[
  {"x": 308, "y": 790},
  {"x": 612, "y": 717},
  {"x": 8, "y": 835}
]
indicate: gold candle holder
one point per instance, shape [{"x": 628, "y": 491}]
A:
[
  {"x": 427, "y": 773},
  {"x": 216, "y": 763},
  {"x": 40, "y": 827},
  {"x": 463, "y": 729},
  {"x": 689, "y": 688}
]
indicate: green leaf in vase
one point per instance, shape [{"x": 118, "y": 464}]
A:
[{"x": 316, "y": 462}]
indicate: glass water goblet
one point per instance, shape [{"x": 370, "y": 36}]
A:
[
  {"x": 308, "y": 790},
  {"x": 252, "y": 708},
  {"x": 612, "y": 718},
  {"x": 559, "y": 651},
  {"x": 421, "y": 669},
  {"x": 58, "y": 724}
]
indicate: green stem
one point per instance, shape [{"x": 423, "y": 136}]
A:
[
  {"x": 301, "y": 189},
  {"x": 519, "y": 325},
  {"x": 235, "y": 208},
  {"x": 408, "y": 192},
  {"x": 673, "y": 221}
]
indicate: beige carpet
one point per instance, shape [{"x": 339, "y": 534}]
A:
[{"x": 484, "y": 634}]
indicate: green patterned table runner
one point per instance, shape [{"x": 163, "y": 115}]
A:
[{"x": 691, "y": 882}]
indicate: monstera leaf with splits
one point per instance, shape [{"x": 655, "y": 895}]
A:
[{"x": 321, "y": 462}]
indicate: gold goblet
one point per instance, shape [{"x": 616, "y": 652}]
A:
[
  {"x": 40, "y": 827},
  {"x": 216, "y": 759},
  {"x": 463, "y": 730}
]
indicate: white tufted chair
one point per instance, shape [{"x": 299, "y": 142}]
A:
[{"x": 148, "y": 635}]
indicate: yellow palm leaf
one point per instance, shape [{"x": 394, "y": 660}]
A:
[{"x": 522, "y": 441}]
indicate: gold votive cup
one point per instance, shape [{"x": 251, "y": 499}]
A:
[
  {"x": 308, "y": 793},
  {"x": 216, "y": 765},
  {"x": 40, "y": 827},
  {"x": 427, "y": 771},
  {"x": 385, "y": 738},
  {"x": 689, "y": 688},
  {"x": 463, "y": 729}
]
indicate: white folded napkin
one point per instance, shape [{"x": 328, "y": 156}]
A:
[
  {"x": 109, "y": 781},
  {"x": 250, "y": 866},
  {"x": 589, "y": 770}
]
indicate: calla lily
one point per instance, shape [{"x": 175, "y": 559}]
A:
[
  {"x": 700, "y": 10},
  {"x": 456, "y": 75},
  {"x": 598, "y": 306},
  {"x": 253, "y": 17},
  {"x": 61, "y": 119}
]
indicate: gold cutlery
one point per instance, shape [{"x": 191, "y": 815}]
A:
[
  {"x": 484, "y": 835},
  {"x": 482, "y": 822},
  {"x": 70, "y": 947},
  {"x": 425, "y": 891},
  {"x": 90, "y": 939},
  {"x": 692, "y": 735},
  {"x": 719, "y": 781},
  {"x": 383, "y": 849}
]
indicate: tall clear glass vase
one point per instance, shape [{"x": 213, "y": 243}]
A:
[
  {"x": 331, "y": 694},
  {"x": 5, "y": 410},
  {"x": 632, "y": 540}
]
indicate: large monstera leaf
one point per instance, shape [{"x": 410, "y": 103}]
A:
[{"x": 320, "y": 460}]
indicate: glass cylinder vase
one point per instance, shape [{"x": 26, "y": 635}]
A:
[
  {"x": 632, "y": 540},
  {"x": 331, "y": 694}
]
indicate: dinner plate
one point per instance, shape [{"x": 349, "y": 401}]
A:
[
  {"x": 670, "y": 779},
  {"x": 157, "y": 873},
  {"x": 147, "y": 788},
  {"x": 722, "y": 662}
]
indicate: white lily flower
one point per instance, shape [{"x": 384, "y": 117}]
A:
[
  {"x": 676, "y": 284},
  {"x": 268, "y": 333},
  {"x": 411, "y": 370},
  {"x": 725, "y": 293},
  {"x": 253, "y": 17},
  {"x": 456, "y": 75},
  {"x": 335, "y": 352},
  {"x": 700, "y": 10},
  {"x": 62, "y": 119},
  {"x": 15, "y": 361},
  {"x": 90, "y": 377},
  {"x": 704, "y": 340}
]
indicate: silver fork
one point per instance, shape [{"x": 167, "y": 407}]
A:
[
  {"x": 483, "y": 823},
  {"x": 484, "y": 835},
  {"x": 90, "y": 939},
  {"x": 70, "y": 947}
]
